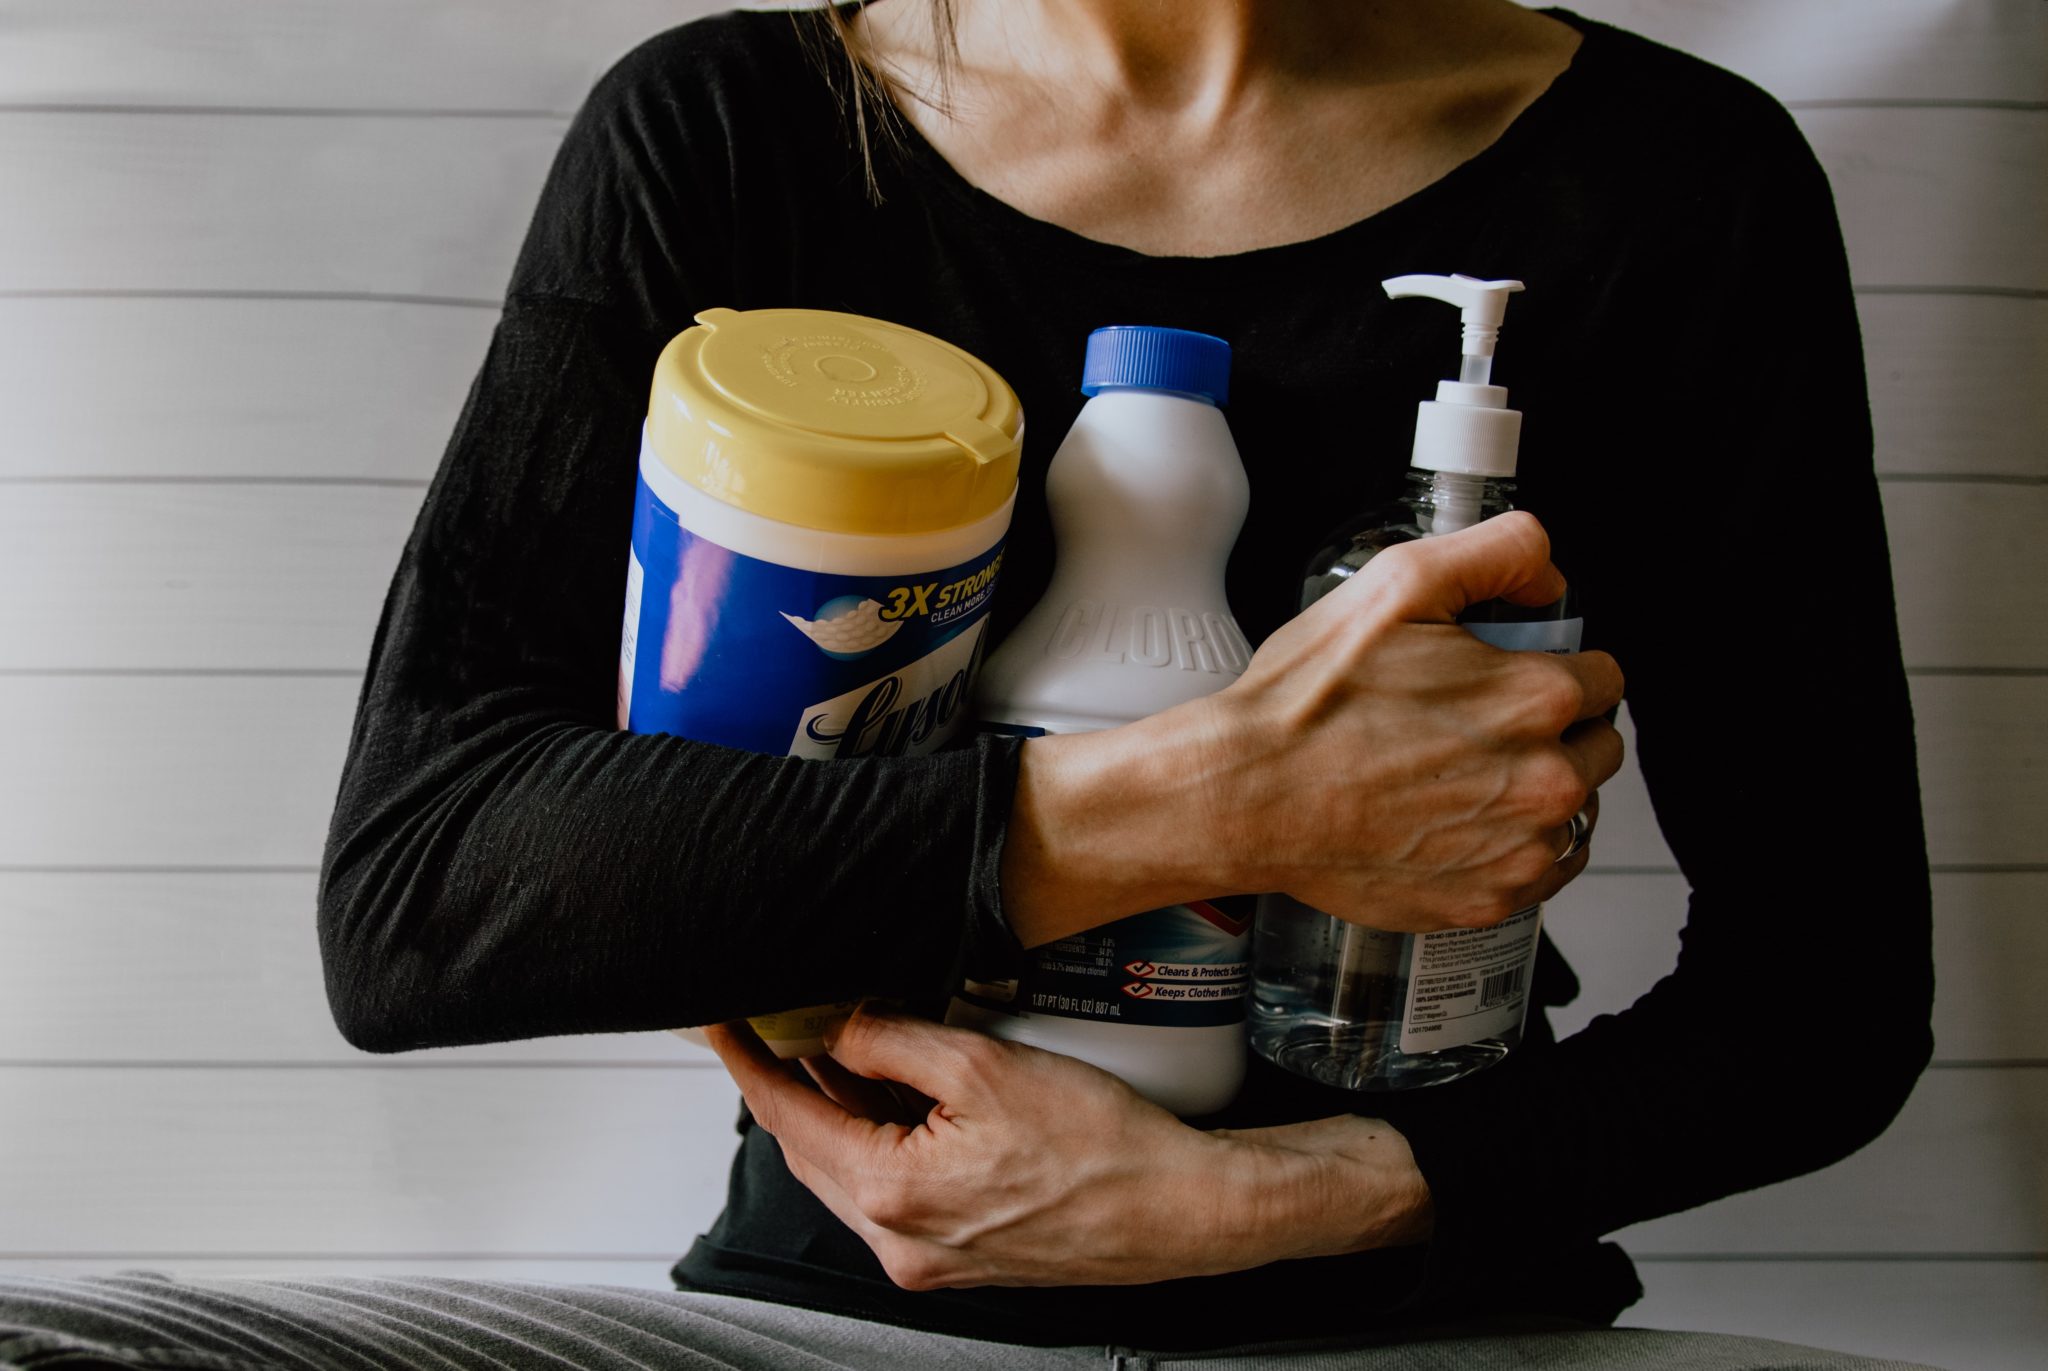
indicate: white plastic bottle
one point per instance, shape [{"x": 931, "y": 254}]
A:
[{"x": 1147, "y": 495}]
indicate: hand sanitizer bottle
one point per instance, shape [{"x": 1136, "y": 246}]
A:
[
  {"x": 1147, "y": 496},
  {"x": 1357, "y": 1007}
]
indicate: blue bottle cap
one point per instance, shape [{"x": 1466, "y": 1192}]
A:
[{"x": 1173, "y": 359}]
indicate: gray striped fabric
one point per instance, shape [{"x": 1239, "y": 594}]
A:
[{"x": 147, "y": 1320}]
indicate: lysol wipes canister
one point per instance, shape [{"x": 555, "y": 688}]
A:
[{"x": 817, "y": 533}]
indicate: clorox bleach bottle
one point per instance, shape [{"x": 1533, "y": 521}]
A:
[
  {"x": 1147, "y": 495},
  {"x": 816, "y": 538}
]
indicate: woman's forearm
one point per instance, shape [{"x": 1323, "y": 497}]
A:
[
  {"x": 1032, "y": 1168},
  {"x": 1104, "y": 825},
  {"x": 1374, "y": 761},
  {"x": 1331, "y": 1186}
]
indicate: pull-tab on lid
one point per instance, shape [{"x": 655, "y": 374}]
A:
[{"x": 835, "y": 421}]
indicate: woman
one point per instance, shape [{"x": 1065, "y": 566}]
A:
[{"x": 503, "y": 864}]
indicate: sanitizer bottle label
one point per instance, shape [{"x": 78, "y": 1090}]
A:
[
  {"x": 1557, "y": 636},
  {"x": 730, "y": 649},
  {"x": 1185, "y": 966},
  {"x": 1466, "y": 985}
]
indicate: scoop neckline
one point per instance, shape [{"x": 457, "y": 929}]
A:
[{"x": 988, "y": 208}]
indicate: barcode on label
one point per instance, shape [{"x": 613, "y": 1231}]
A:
[{"x": 1501, "y": 987}]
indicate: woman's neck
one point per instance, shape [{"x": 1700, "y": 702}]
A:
[
  {"x": 1181, "y": 56},
  {"x": 1212, "y": 126}
]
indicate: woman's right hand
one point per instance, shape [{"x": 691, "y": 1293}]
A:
[{"x": 1375, "y": 761}]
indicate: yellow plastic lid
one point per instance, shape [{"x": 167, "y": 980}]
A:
[{"x": 835, "y": 421}]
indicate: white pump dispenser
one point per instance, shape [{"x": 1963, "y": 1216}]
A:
[
  {"x": 1359, "y": 1007},
  {"x": 1468, "y": 427}
]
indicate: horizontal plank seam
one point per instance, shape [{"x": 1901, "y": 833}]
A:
[
  {"x": 1988, "y": 478},
  {"x": 1838, "y": 1256},
  {"x": 563, "y": 116},
  {"x": 377, "y": 482},
  {"x": 1918, "y": 102},
  {"x": 342, "y": 673},
  {"x": 235, "y": 869},
  {"x": 1943, "y": 478},
  {"x": 2002, "y": 292},
  {"x": 2022, "y": 672},
  {"x": 358, "y": 297},
  {"x": 367, "y": 1063},
  {"x": 401, "y": 1063},
  {"x": 663, "y": 1257},
  {"x": 478, "y": 302},
  {"x": 200, "y": 869},
  {"x": 288, "y": 111},
  {"x": 669, "y": 1257},
  {"x": 314, "y": 673},
  {"x": 1936, "y": 868}
]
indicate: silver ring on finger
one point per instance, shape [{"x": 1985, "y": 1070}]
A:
[{"x": 1576, "y": 834}]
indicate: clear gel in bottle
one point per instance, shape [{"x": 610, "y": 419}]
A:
[{"x": 1356, "y": 1007}]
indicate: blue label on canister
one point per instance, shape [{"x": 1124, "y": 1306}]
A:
[{"x": 731, "y": 649}]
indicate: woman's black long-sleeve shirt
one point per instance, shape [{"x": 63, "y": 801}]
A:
[{"x": 503, "y": 863}]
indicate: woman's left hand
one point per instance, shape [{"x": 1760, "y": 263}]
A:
[{"x": 1031, "y": 1168}]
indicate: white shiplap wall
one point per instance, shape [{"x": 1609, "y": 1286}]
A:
[{"x": 248, "y": 264}]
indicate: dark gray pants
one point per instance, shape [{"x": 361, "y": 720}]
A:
[{"x": 143, "y": 1320}]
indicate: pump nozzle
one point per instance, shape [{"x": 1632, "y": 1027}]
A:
[
  {"x": 1481, "y": 304},
  {"x": 1468, "y": 427}
]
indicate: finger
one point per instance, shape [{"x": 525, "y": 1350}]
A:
[
  {"x": 1505, "y": 558},
  {"x": 856, "y": 1094},
  {"x": 911, "y": 1104},
  {"x": 1565, "y": 872},
  {"x": 1576, "y": 834},
  {"x": 1555, "y": 878},
  {"x": 798, "y": 1116},
  {"x": 1596, "y": 749},
  {"x": 738, "y": 1035},
  {"x": 1600, "y": 681},
  {"x": 930, "y": 1058}
]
